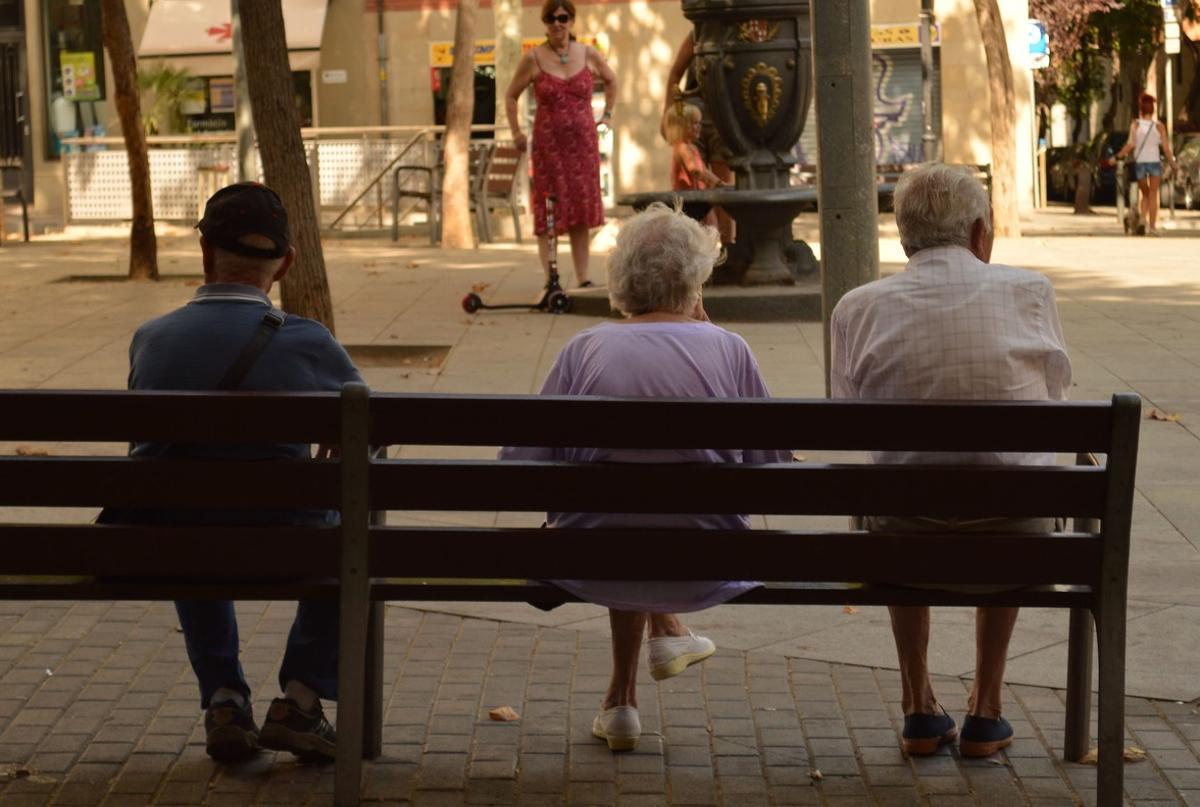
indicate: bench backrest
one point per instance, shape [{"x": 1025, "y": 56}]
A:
[
  {"x": 502, "y": 170},
  {"x": 357, "y": 484},
  {"x": 806, "y": 488},
  {"x": 76, "y": 472}
]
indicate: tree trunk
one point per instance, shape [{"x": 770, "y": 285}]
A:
[
  {"x": 243, "y": 120},
  {"x": 456, "y": 186},
  {"x": 506, "y": 15},
  {"x": 1002, "y": 108},
  {"x": 143, "y": 246},
  {"x": 1190, "y": 110},
  {"x": 305, "y": 290}
]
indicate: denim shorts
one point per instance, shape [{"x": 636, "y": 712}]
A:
[{"x": 1143, "y": 170}]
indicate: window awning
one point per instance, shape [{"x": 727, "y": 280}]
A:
[{"x": 198, "y": 34}]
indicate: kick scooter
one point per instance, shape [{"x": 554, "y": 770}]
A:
[{"x": 553, "y": 299}]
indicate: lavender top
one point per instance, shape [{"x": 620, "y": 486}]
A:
[{"x": 654, "y": 360}]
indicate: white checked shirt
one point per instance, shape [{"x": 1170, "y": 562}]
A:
[{"x": 951, "y": 327}]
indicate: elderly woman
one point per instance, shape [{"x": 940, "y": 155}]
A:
[{"x": 665, "y": 347}]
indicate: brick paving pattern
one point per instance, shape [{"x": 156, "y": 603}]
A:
[{"x": 98, "y": 707}]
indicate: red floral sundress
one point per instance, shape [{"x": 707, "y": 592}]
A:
[{"x": 566, "y": 153}]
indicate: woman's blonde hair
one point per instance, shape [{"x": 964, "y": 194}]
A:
[{"x": 678, "y": 118}]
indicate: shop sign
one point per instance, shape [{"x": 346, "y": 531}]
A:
[
  {"x": 902, "y": 35},
  {"x": 441, "y": 54},
  {"x": 79, "y": 75},
  {"x": 221, "y": 95}
]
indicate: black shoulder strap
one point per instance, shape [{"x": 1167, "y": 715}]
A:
[{"x": 272, "y": 321}]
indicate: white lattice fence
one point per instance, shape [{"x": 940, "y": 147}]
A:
[
  {"x": 98, "y": 182},
  {"x": 182, "y": 177}
]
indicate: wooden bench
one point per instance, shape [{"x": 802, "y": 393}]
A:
[{"x": 1085, "y": 570}]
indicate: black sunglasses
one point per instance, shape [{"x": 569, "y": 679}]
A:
[{"x": 563, "y": 18}]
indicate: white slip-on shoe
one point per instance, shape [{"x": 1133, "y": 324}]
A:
[
  {"x": 619, "y": 727},
  {"x": 671, "y": 655}
]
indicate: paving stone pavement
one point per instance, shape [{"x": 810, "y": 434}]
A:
[{"x": 98, "y": 705}]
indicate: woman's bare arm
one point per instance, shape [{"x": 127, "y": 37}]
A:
[{"x": 600, "y": 67}]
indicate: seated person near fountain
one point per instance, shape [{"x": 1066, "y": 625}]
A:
[{"x": 665, "y": 347}]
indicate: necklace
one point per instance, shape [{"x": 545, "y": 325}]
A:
[{"x": 563, "y": 57}]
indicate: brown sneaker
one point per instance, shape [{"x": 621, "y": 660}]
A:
[
  {"x": 230, "y": 731},
  {"x": 306, "y": 734}
]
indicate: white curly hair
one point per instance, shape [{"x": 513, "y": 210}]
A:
[{"x": 660, "y": 261}]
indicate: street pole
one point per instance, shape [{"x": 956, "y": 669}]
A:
[
  {"x": 1170, "y": 77},
  {"x": 243, "y": 117},
  {"x": 848, "y": 199},
  {"x": 929, "y": 142},
  {"x": 383, "y": 63},
  {"x": 1170, "y": 50}
]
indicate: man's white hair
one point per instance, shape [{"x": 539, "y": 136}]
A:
[
  {"x": 937, "y": 205},
  {"x": 660, "y": 261}
]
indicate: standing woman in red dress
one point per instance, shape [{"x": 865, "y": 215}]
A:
[{"x": 566, "y": 150}]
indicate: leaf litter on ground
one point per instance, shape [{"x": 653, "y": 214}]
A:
[{"x": 1131, "y": 754}]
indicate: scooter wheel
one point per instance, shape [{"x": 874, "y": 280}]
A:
[
  {"x": 472, "y": 303},
  {"x": 559, "y": 302}
]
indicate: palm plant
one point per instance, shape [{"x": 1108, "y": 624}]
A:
[{"x": 163, "y": 91}]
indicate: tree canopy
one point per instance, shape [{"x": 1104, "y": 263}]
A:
[{"x": 1099, "y": 45}]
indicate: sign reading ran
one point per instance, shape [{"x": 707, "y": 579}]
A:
[{"x": 441, "y": 54}]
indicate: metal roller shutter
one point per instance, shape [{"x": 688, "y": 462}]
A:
[{"x": 898, "y": 120}]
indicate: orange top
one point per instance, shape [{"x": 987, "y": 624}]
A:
[{"x": 686, "y": 161}]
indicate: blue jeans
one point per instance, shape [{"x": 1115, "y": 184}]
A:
[
  {"x": 211, "y": 634},
  {"x": 1144, "y": 170},
  {"x": 210, "y": 626}
]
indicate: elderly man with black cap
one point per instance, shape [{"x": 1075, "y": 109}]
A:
[{"x": 230, "y": 336}]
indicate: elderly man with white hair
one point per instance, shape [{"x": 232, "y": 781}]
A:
[
  {"x": 951, "y": 326},
  {"x": 665, "y": 347}
]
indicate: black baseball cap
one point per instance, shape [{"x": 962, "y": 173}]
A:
[{"x": 246, "y": 208}]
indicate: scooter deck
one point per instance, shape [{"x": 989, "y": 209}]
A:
[{"x": 527, "y": 306}]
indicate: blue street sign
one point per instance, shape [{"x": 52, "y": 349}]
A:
[{"x": 1039, "y": 44}]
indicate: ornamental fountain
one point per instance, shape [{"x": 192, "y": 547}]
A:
[{"x": 753, "y": 61}]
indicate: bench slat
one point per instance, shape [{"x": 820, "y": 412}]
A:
[
  {"x": 393, "y": 590},
  {"x": 120, "y": 416},
  {"x": 108, "y": 550},
  {"x": 1067, "y": 558},
  {"x": 778, "y": 423},
  {"x": 802, "y": 488},
  {"x": 169, "y": 483}
]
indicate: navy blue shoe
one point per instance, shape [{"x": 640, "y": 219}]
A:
[
  {"x": 982, "y": 737},
  {"x": 924, "y": 734}
]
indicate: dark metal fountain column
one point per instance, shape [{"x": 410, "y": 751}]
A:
[{"x": 755, "y": 70}]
